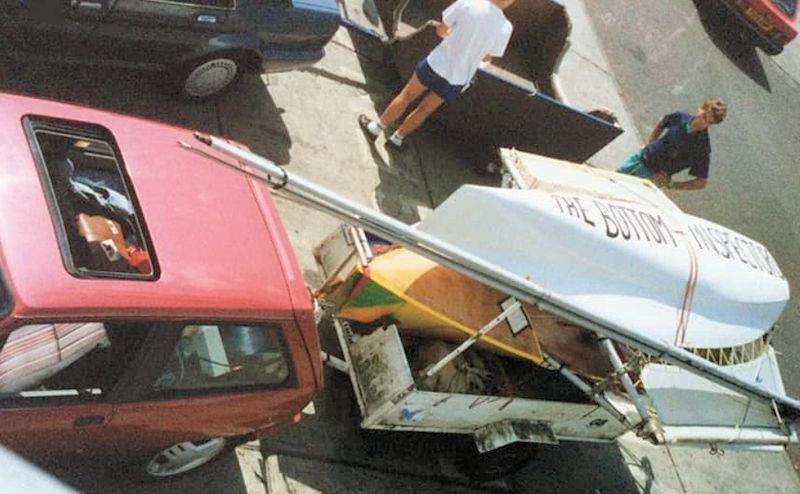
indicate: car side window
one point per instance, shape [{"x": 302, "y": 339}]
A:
[
  {"x": 100, "y": 227},
  {"x": 72, "y": 361},
  {"x": 227, "y": 357}
]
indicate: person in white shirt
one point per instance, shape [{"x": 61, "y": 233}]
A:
[{"x": 472, "y": 31}]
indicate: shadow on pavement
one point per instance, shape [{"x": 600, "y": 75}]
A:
[
  {"x": 403, "y": 185},
  {"x": 249, "y": 115},
  {"x": 102, "y": 476},
  {"x": 248, "y": 111},
  {"x": 577, "y": 467},
  {"x": 732, "y": 39}
]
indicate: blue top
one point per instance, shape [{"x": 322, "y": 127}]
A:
[{"x": 679, "y": 148}]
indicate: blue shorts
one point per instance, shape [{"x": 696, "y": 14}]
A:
[
  {"x": 436, "y": 83},
  {"x": 635, "y": 166}
]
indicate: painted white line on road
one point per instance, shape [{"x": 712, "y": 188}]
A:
[{"x": 273, "y": 477}]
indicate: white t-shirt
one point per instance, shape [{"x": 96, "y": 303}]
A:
[{"x": 479, "y": 28}]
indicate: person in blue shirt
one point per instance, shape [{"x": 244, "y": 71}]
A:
[{"x": 679, "y": 142}]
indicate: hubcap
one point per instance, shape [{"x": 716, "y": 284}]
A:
[
  {"x": 183, "y": 457},
  {"x": 210, "y": 77}
]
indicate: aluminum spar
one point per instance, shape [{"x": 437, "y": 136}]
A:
[{"x": 452, "y": 256}]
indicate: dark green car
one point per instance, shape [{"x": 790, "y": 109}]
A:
[{"x": 203, "y": 45}]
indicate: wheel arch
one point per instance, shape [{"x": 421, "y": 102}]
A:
[{"x": 244, "y": 48}]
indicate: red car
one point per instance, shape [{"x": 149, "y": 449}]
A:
[
  {"x": 151, "y": 306},
  {"x": 773, "y": 22}
]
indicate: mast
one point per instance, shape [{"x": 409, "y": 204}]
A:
[{"x": 479, "y": 269}]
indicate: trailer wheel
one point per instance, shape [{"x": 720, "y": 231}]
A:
[{"x": 495, "y": 464}]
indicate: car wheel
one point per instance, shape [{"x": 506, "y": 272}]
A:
[
  {"x": 209, "y": 77},
  {"x": 184, "y": 457}
]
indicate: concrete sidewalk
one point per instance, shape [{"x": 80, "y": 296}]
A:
[
  {"x": 588, "y": 83},
  {"x": 703, "y": 468}
]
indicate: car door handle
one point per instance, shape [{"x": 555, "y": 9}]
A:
[
  {"x": 89, "y": 421},
  {"x": 207, "y": 18},
  {"x": 82, "y": 4}
]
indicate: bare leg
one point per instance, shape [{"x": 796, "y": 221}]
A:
[
  {"x": 412, "y": 90},
  {"x": 429, "y": 104}
]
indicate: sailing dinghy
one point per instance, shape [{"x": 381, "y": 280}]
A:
[{"x": 611, "y": 244}]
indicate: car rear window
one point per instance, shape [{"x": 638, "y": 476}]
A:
[
  {"x": 227, "y": 357},
  {"x": 787, "y": 6},
  {"x": 66, "y": 361},
  {"x": 99, "y": 224}
]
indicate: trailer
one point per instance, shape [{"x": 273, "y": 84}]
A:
[
  {"x": 730, "y": 392},
  {"x": 393, "y": 394}
]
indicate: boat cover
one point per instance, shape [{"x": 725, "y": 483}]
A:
[
  {"x": 564, "y": 177},
  {"x": 654, "y": 270}
]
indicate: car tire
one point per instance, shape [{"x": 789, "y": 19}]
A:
[
  {"x": 178, "y": 459},
  {"x": 207, "y": 77}
]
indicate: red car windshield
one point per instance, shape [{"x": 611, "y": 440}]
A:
[{"x": 787, "y": 6}]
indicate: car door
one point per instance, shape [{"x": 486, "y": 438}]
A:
[
  {"x": 56, "y": 385},
  {"x": 156, "y": 34},
  {"x": 207, "y": 380},
  {"x": 49, "y": 29}
]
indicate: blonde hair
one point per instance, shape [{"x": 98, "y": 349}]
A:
[{"x": 716, "y": 108}]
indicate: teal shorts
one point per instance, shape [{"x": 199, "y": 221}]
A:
[{"x": 635, "y": 166}]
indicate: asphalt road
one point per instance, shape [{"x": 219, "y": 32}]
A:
[{"x": 674, "y": 55}]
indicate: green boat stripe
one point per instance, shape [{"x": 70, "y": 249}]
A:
[{"x": 374, "y": 295}]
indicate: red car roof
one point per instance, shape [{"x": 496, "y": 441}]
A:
[{"x": 221, "y": 248}]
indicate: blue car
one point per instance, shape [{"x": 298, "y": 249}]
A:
[{"x": 204, "y": 46}]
